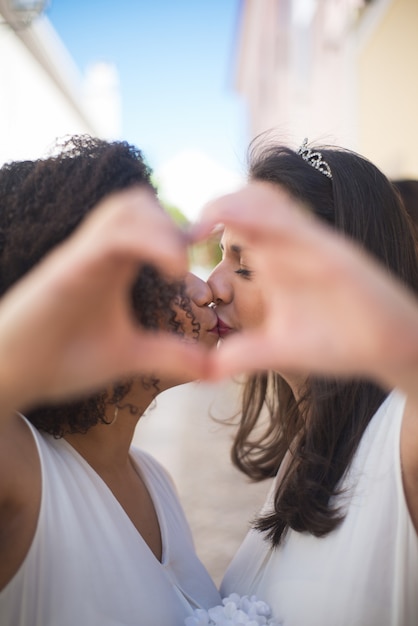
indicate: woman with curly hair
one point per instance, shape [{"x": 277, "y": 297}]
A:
[
  {"x": 91, "y": 529},
  {"x": 336, "y": 542}
]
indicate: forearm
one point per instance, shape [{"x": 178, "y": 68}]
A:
[
  {"x": 395, "y": 317},
  {"x": 403, "y": 377}
]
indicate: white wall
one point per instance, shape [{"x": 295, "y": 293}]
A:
[{"x": 43, "y": 96}]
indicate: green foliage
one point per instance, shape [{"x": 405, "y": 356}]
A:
[
  {"x": 205, "y": 254},
  {"x": 177, "y": 215}
]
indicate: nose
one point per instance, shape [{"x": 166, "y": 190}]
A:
[
  {"x": 220, "y": 287},
  {"x": 199, "y": 291}
]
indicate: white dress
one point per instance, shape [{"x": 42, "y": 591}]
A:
[
  {"x": 89, "y": 566},
  {"x": 365, "y": 573}
]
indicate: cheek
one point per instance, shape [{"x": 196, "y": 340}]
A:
[
  {"x": 250, "y": 309},
  {"x": 195, "y": 329}
]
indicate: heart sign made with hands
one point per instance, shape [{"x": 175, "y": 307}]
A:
[{"x": 323, "y": 305}]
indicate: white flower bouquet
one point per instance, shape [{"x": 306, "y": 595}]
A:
[{"x": 235, "y": 610}]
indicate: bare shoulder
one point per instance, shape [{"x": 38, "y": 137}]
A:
[
  {"x": 20, "y": 494},
  {"x": 409, "y": 457}
]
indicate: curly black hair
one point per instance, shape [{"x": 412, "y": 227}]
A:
[{"x": 41, "y": 203}]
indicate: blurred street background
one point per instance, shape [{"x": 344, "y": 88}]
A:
[
  {"x": 191, "y": 83},
  {"x": 186, "y": 431}
]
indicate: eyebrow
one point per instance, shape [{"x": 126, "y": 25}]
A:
[{"x": 234, "y": 248}]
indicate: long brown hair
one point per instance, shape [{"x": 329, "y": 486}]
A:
[{"x": 324, "y": 427}]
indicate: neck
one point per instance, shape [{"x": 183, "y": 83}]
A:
[
  {"x": 106, "y": 446},
  {"x": 296, "y": 383}
]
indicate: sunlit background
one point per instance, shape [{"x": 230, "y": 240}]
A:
[
  {"x": 158, "y": 73},
  {"x": 191, "y": 82}
]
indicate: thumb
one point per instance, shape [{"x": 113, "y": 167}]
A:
[
  {"x": 246, "y": 353},
  {"x": 179, "y": 356}
]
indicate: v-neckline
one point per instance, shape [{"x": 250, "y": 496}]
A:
[{"x": 149, "y": 487}]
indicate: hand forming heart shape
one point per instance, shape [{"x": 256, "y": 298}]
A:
[{"x": 67, "y": 327}]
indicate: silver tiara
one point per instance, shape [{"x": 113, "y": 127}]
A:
[{"x": 314, "y": 159}]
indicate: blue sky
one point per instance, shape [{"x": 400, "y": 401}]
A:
[{"x": 176, "y": 64}]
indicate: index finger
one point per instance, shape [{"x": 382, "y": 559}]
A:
[
  {"x": 256, "y": 211},
  {"x": 132, "y": 224}
]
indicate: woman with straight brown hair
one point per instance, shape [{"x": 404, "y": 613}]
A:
[{"x": 336, "y": 542}]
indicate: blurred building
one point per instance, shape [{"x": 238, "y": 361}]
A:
[
  {"x": 336, "y": 71},
  {"x": 42, "y": 93}
]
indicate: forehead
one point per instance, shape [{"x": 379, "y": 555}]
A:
[
  {"x": 236, "y": 246},
  {"x": 232, "y": 241}
]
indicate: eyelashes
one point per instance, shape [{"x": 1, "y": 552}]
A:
[{"x": 244, "y": 272}]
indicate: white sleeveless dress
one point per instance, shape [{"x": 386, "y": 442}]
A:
[
  {"x": 365, "y": 573},
  {"x": 89, "y": 566}
]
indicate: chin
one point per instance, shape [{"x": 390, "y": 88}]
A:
[{"x": 210, "y": 340}]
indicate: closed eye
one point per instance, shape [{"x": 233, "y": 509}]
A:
[{"x": 244, "y": 272}]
